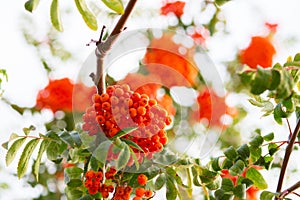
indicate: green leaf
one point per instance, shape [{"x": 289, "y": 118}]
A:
[
  {"x": 136, "y": 161},
  {"x": 227, "y": 163},
  {"x": 31, "y": 5},
  {"x": 5, "y": 145},
  {"x": 171, "y": 192},
  {"x": 73, "y": 194},
  {"x": 55, "y": 15},
  {"x": 87, "y": 197},
  {"x": 244, "y": 151},
  {"x": 13, "y": 136},
  {"x": 76, "y": 138},
  {"x": 262, "y": 80},
  {"x": 266, "y": 195},
  {"x": 231, "y": 153},
  {"x": 257, "y": 141},
  {"x": 269, "y": 137},
  {"x": 227, "y": 185},
  {"x": 28, "y": 130},
  {"x": 240, "y": 191},
  {"x": 160, "y": 181},
  {"x": 123, "y": 132},
  {"x": 237, "y": 168},
  {"x": 257, "y": 179},
  {"x": 101, "y": 151},
  {"x": 222, "y": 195},
  {"x": 272, "y": 148},
  {"x": 115, "y": 5},
  {"x": 255, "y": 153},
  {"x": 74, "y": 172},
  {"x": 132, "y": 144},
  {"x": 36, "y": 166},
  {"x": 221, "y": 2},
  {"x": 67, "y": 138},
  {"x": 215, "y": 164},
  {"x": 74, "y": 183},
  {"x": 215, "y": 183},
  {"x": 286, "y": 85},
  {"x": 88, "y": 17},
  {"x": 24, "y": 158},
  {"x": 123, "y": 157},
  {"x": 12, "y": 151}
]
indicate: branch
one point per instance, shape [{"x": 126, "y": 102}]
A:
[
  {"x": 103, "y": 47},
  {"x": 288, "y": 152},
  {"x": 289, "y": 190}
]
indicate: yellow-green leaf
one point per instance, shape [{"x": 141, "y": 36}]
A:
[
  {"x": 115, "y": 5},
  {"x": 257, "y": 179},
  {"x": 55, "y": 16},
  {"x": 37, "y": 162},
  {"x": 31, "y": 5},
  {"x": 24, "y": 159},
  {"x": 12, "y": 151},
  {"x": 88, "y": 17}
]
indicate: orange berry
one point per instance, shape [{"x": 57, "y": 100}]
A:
[
  {"x": 143, "y": 102},
  {"x": 119, "y": 92},
  {"x": 163, "y": 140},
  {"x": 106, "y": 106},
  {"x": 135, "y": 97},
  {"x": 100, "y": 119},
  {"x": 152, "y": 102},
  {"x": 168, "y": 120},
  {"x": 105, "y": 194},
  {"x": 139, "y": 192},
  {"x": 113, "y": 132},
  {"x": 99, "y": 176},
  {"x": 93, "y": 190},
  {"x": 110, "y": 89},
  {"x": 128, "y": 189},
  {"x": 145, "y": 96},
  {"x": 141, "y": 110},
  {"x": 148, "y": 193},
  {"x": 90, "y": 174},
  {"x": 142, "y": 179},
  {"x": 104, "y": 97},
  {"x": 125, "y": 87},
  {"x": 132, "y": 112},
  {"x": 97, "y": 98}
]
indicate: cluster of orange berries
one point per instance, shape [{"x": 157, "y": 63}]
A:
[
  {"x": 121, "y": 108},
  {"x": 93, "y": 182}
]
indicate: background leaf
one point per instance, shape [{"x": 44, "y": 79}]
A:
[
  {"x": 25, "y": 156},
  {"x": 115, "y": 5},
  {"x": 31, "y": 5},
  {"x": 55, "y": 15},
  {"x": 87, "y": 15}
]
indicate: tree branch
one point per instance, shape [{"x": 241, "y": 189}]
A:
[
  {"x": 289, "y": 190},
  {"x": 103, "y": 47},
  {"x": 288, "y": 152}
]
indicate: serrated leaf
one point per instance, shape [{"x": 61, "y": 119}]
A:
[
  {"x": 25, "y": 156},
  {"x": 73, "y": 172},
  {"x": 87, "y": 15},
  {"x": 31, "y": 5},
  {"x": 227, "y": 185},
  {"x": 244, "y": 151},
  {"x": 123, "y": 132},
  {"x": 36, "y": 166},
  {"x": 266, "y": 195},
  {"x": 115, "y": 5},
  {"x": 237, "y": 168},
  {"x": 257, "y": 141},
  {"x": 160, "y": 181},
  {"x": 132, "y": 144},
  {"x": 171, "y": 190},
  {"x": 123, "y": 158},
  {"x": 101, "y": 151},
  {"x": 258, "y": 180},
  {"x": 55, "y": 16},
  {"x": 231, "y": 153},
  {"x": 12, "y": 151}
]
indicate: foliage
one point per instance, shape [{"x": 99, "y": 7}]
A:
[{"x": 123, "y": 148}]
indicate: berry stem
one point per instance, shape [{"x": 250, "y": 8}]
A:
[
  {"x": 288, "y": 152},
  {"x": 103, "y": 47},
  {"x": 289, "y": 190}
]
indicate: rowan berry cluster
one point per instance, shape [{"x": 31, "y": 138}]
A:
[
  {"x": 121, "y": 108},
  {"x": 122, "y": 193},
  {"x": 93, "y": 182},
  {"x": 140, "y": 192}
]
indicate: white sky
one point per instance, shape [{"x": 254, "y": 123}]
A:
[{"x": 26, "y": 76}]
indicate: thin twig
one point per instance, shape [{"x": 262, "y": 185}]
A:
[
  {"x": 286, "y": 158},
  {"x": 103, "y": 47},
  {"x": 289, "y": 125},
  {"x": 289, "y": 190}
]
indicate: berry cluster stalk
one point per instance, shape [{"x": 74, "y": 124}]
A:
[
  {"x": 288, "y": 152},
  {"x": 103, "y": 47}
]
